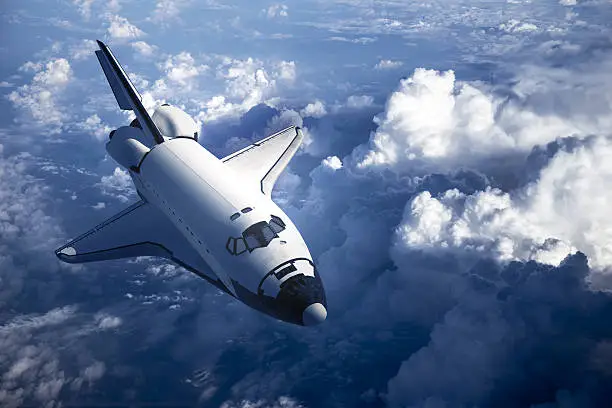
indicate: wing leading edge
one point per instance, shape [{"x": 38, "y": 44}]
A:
[
  {"x": 264, "y": 161},
  {"x": 139, "y": 230}
]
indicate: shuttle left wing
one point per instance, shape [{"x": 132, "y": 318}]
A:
[
  {"x": 139, "y": 230},
  {"x": 264, "y": 161}
]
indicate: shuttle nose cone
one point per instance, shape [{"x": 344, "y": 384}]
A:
[{"x": 314, "y": 314}]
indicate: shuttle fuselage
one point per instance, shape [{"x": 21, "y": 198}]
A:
[{"x": 214, "y": 217}]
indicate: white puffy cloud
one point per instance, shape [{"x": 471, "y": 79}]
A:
[
  {"x": 276, "y": 10},
  {"x": 93, "y": 124},
  {"x": 388, "y": 64},
  {"x": 144, "y": 48},
  {"x": 83, "y": 49},
  {"x": 120, "y": 28},
  {"x": 359, "y": 101},
  {"x": 561, "y": 212},
  {"x": 433, "y": 122},
  {"x": 315, "y": 109},
  {"x": 84, "y": 7},
  {"x": 39, "y": 98},
  {"x": 515, "y": 26},
  {"x": 118, "y": 185},
  {"x": 106, "y": 321},
  {"x": 35, "y": 361},
  {"x": 247, "y": 83},
  {"x": 487, "y": 222},
  {"x": 182, "y": 69},
  {"x": 332, "y": 162},
  {"x": 568, "y": 2},
  {"x": 167, "y": 10}
]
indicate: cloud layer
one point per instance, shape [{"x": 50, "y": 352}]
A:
[{"x": 453, "y": 196}]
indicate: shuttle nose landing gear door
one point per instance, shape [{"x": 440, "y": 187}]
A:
[{"x": 271, "y": 284}]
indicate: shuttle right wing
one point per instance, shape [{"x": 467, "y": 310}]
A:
[{"x": 264, "y": 161}]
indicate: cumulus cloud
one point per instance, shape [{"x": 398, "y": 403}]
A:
[
  {"x": 486, "y": 222},
  {"x": 93, "y": 124},
  {"x": 82, "y": 50},
  {"x": 431, "y": 297},
  {"x": 118, "y": 185},
  {"x": 144, "y": 48},
  {"x": 332, "y": 162},
  {"x": 182, "y": 69},
  {"x": 84, "y": 7},
  {"x": 120, "y": 28},
  {"x": 515, "y": 26},
  {"x": 276, "y": 10},
  {"x": 167, "y": 10},
  {"x": 38, "y": 100},
  {"x": 359, "y": 101},
  {"x": 434, "y": 122},
  {"x": 315, "y": 109},
  {"x": 247, "y": 83}
]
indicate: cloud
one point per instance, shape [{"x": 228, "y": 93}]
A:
[
  {"x": 82, "y": 50},
  {"x": 281, "y": 402},
  {"x": 38, "y": 100},
  {"x": 247, "y": 83},
  {"x": 433, "y": 122},
  {"x": 93, "y": 124},
  {"x": 118, "y": 185},
  {"x": 315, "y": 109},
  {"x": 120, "y": 28},
  {"x": 332, "y": 162},
  {"x": 182, "y": 69},
  {"x": 144, "y": 48},
  {"x": 84, "y": 7},
  {"x": 487, "y": 222},
  {"x": 359, "y": 40},
  {"x": 359, "y": 101},
  {"x": 388, "y": 64},
  {"x": 167, "y": 10},
  {"x": 276, "y": 10},
  {"x": 515, "y": 26}
]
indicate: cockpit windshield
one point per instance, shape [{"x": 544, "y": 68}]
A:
[{"x": 258, "y": 235}]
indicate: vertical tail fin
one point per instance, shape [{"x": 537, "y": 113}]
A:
[{"x": 125, "y": 93}]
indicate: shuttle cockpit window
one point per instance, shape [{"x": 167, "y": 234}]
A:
[
  {"x": 258, "y": 235},
  {"x": 246, "y": 210},
  {"x": 235, "y": 246},
  {"x": 234, "y": 216},
  {"x": 277, "y": 224}
]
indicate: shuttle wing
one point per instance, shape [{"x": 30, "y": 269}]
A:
[
  {"x": 264, "y": 161},
  {"x": 139, "y": 230},
  {"x": 125, "y": 93}
]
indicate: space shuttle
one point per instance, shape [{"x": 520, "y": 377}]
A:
[{"x": 214, "y": 217}]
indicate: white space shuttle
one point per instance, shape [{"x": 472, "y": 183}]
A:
[{"x": 213, "y": 217}]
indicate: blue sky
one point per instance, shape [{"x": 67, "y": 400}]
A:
[{"x": 453, "y": 187}]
